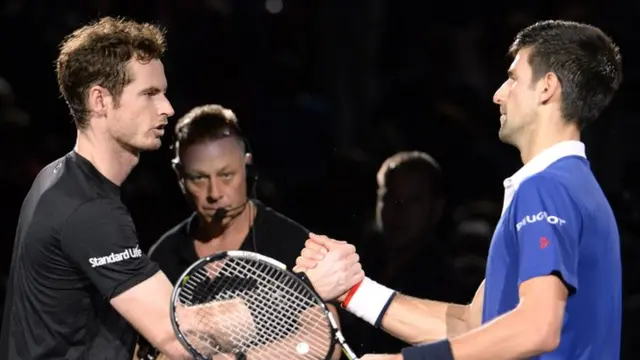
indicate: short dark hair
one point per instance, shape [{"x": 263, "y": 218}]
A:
[
  {"x": 205, "y": 123},
  {"x": 98, "y": 54},
  {"x": 417, "y": 162},
  {"x": 585, "y": 60}
]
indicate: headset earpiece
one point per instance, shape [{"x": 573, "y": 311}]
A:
[{"x": 177, "y": 167}]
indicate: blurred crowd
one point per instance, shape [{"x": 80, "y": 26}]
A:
[{"x": 328, "y": 92}]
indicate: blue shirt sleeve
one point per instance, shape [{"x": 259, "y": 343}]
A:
[{"x": 548, "y": 224}]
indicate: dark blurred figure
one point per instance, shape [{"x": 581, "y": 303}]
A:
[
  {"x": 213, "y": 163},
  {"x": 474, "y": 223},
  {"x": 405, "y": 250}
]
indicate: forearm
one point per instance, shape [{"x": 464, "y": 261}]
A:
[
  {"x": 514, "y": 335},
  {"x": 417, "y": 321},
  {"x": 410, "y": 319},
  {"x": 337, "y": 351}
]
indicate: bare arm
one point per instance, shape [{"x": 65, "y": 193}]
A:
[
  {"x": 418, "y": 321},
  {"x": 150, "y": 314},
  {"x": 337, "y": 352},
  {"x": 532, "y": 328}
]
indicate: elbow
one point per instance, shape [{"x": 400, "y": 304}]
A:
[
  {"x": 548, "y": 341},
  {"x": 543, "y": 335}
]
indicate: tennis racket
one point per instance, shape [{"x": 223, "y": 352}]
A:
[{"x": 244, "y": 305}]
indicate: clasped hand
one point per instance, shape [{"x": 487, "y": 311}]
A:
[{"x": 332, "y": 266}]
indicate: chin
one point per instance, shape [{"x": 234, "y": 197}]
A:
[
  {"x": 504, "y": 135},
  {"x": 150, "y": 145}
]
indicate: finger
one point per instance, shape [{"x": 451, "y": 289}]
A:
[
  {"x": 299, "y": 269},
  {"x": 352, "y": 259},
  {"x": 325, "y": 240},
  {"x": 305, "y": 262},
  {"x": 344, "y": 249},
  {"x": 314, "y": 245},
  {"x": 312, "y": 254}
]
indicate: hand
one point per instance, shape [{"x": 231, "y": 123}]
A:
[
  {"x": 382, "y": 357},
  {"x": 338, "y": 270},
  {"x": 316, "y": 247}
]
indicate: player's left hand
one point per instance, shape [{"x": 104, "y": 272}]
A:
[{"x": 382, "y": 357}]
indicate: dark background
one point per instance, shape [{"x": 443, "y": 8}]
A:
[{"x": 325, "y": 91}]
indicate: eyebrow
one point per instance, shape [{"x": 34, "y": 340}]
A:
[
  {"x": 152, "y": 89},
  {"x": 223, "y": 169}
]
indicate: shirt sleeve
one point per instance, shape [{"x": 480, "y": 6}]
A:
[
  {"x": 99, "y": 236},
  {"x": 548, "y": 224}
]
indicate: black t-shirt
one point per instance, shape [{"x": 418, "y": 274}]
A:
[
  {"x": 272, "y": 234},
  {"x": 75, "y": 249}
]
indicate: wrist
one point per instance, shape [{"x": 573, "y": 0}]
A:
[
  {"x": 368, "y": 300},
  {"x": 439, "y": 350}
]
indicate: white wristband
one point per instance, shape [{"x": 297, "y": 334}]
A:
[{"x": 369, "y": 300}]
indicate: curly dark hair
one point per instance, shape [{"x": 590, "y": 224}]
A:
[
  {"x": 98, "y": 54},
  {"x": 585, "y": 60}
]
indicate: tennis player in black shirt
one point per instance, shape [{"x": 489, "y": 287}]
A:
[
  {"x": 79, "y": 286},
  {"x": 214, "y": 167}
]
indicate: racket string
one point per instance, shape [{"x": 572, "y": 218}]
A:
[{"x": 276, "y": 303}]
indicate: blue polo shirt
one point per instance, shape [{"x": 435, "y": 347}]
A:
[{"x": 556, "y": 220}]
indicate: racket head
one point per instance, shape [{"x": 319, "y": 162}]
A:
[{"x": 260, "y": 299}]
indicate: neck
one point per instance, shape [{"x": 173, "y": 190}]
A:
[
  {"x": 110, "y": 158},
  {"x": 219, "y": 231},
  {"x": 545, "y": 135}
]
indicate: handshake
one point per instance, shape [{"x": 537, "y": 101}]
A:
[{"x": 332, "y": 266}]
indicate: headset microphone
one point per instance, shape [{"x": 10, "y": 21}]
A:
[{"x": 222, "y": 213}]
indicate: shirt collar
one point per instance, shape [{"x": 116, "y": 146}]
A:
[{"x": 544, "y": 159}]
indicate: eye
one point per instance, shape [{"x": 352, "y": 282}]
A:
[{"x": 196, "y": 177}]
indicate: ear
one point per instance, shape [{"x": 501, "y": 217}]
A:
[
  {"x": 550, "y": 87},
  {"x": 177, "y": 168},
  {"x": 99, "y": 100},
  {"x": 248, "y": 159}
]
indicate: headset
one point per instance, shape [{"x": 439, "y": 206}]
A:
[{"x": 232, "y": 129}]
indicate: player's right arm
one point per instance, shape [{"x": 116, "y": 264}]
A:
[
  {"x": 418, "y": 321},
  {"x": 100, "y": 238},
  {"x": 412, "y": 320},
  {"x": 150, "y": 315}
]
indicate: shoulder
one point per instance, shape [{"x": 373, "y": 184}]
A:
[
  {"x": 279, "y": 236},
  {"x": 274, "y": 221},
  {"x": 99, "y": 210},
  {"x": 168, "y": 242},
  {"x": 546, "y": 184},
  {"x": 550, "y": 195}
]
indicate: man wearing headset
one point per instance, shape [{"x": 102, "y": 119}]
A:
[{"x": 214, "y": 167}]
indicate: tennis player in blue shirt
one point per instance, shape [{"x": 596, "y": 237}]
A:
[{"x": 553, "y": 279}]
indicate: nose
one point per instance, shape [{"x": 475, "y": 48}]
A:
[
  {"x": 213, "y": 192},
  {"x": 166, "y": 109},
  {"x": 500, "y": 95}
]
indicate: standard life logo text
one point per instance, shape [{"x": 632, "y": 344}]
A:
[
  {"x": 116, "y": 257},
  {"x": 541, "y": 216}
]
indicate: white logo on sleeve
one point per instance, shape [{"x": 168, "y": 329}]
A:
[
  {"x": 116, "y": 257},
  {"x": 541, "y": 216}
]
